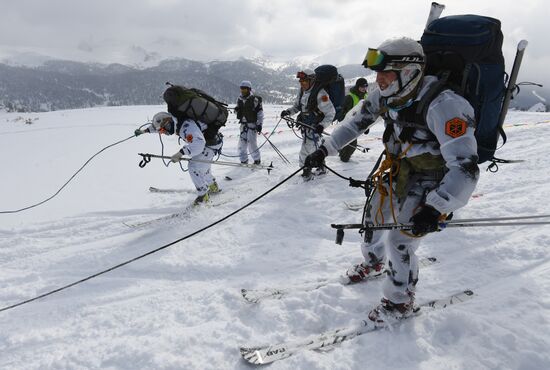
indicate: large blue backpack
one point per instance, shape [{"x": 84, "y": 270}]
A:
[
  {"x": 328, "y": 78},
  {"x": 466, "y": 51}
]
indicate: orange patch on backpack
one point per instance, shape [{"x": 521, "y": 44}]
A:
[
  {"x": 189, "y": 138},
  {"x": 324, "y": 98},
  {"x": 455, "y": 127}
]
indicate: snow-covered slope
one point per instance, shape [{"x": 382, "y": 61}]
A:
[{"x": 181, "y": 308}]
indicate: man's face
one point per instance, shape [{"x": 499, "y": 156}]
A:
[
  {"x": 385, "y": 78},
  {"x": 305, "y": 84},
  {"x": 362, "y": 89},
  {"x": 245, "y": 91}
]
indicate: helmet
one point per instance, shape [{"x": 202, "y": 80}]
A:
[
  {"x": 246, "y": 84},
  {"x": 404, "y": 56},
  {"x": 306, "y": 74},
  {"x": 361, "y": 82},
  {"x": 162, "y": 121}
]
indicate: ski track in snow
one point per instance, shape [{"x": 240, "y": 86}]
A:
[{"x": 181, "y": 308}]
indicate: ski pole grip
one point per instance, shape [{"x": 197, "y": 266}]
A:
[{"x": 339, "y": 236}]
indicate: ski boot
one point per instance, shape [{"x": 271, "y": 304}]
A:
[
  {"x": 201, "y": 199},
  {"x": 388, "y": 313},
  {"x": 362, "y": 271},
  {"x": 214, "y": 188},
  {"x": 257, "y": 162},
  {"x": 306, "y": 174}
]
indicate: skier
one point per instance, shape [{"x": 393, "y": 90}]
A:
[
  {"x": 196, "y": 147},
  {"x": 356, "y": 94},
  {"x": 433, "y": 167},
  {"x": 319, "y": 116},
  {"x": 250, "y": 113}
]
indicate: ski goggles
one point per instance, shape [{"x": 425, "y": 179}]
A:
[
  {"x": 378, "y": 60},
  {"x": 303, "y": 76}
]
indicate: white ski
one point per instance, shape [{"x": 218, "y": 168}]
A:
[
  {"x": 267, "y": 354},
  {"x": 355, "y": 205},
  {"x": 255, "y": 296},
  {"x": 178, "y": 216},
  {"x": 152, "y": 189}
]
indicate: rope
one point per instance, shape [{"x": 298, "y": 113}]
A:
[
  {"x": 150, "y": 252},
  {"x": 259, "y": 147},
  {"x": 70, "y": 179}
]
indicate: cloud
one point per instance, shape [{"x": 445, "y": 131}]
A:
[{"x": 110, "y": 31}]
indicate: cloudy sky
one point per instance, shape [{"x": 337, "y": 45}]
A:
[{"x": 338, "y": 31}]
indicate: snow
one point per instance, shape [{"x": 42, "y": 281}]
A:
[{"x": 180, "y": 308}]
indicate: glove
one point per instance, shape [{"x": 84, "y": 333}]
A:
[
  {"x": 425, "y": 221},
  {"x": 176, "y": 157},
  {"x": 258, "y": 129},
  {"x": 285, "y": 113},
  {"x": 138, "y": 132},
  {"x": 316, "y": 158},
  {"x": 318, "y": 129}
]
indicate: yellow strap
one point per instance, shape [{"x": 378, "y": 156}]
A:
[{"x": 390, "y": 166}]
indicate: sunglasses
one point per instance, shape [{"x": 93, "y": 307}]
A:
[{"x": 378, "y": 60}]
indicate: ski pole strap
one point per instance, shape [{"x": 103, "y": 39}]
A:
[{"x": 145, "y": 158}]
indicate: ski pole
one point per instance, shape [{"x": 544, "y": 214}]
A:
[
  {"x": 146, "y": 158},
  {"x": 276, "y": 149},
  {"x": 479, "y": 222},
  {"x": 297, "y": 123}
]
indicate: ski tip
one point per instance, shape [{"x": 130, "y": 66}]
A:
[
  {"x": 522, "y": 44},
  {"x": 228, "y": 178}
]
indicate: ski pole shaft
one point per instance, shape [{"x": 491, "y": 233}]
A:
[
  {"x": 356, "y": 146},
  {"x": 147, "y": 158},
  {"x": 443, "y": 225}
]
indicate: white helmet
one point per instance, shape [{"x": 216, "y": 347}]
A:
[
  {"x": 404, "y": 56},
  {"x": 306, "y": 74},
  {"x": 161, "y": 120},
  {"x": 246, "y": 84}
]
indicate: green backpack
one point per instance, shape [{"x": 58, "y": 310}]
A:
[{"x": 184, "y": 103}]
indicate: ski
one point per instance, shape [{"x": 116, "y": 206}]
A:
[
  {"x": 355, "y": 205},
  {"x": 255, "y": 296},
  {"x": 153, "y": 189},
  {"x": 184, "y": 214},
  {"x": 267, "y": 354}
]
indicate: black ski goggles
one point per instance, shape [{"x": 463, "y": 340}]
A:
[{"x": 378, "y": 60}]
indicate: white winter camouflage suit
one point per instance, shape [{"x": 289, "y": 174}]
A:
[
  {"x": 311, "y": 140},
  {"x": 248, "y": 142},
  {"x": 195, "y": 147},
  {"x": 447, "y": 195}
]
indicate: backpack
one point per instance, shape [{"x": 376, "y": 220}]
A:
[
  {"x": 195, "y": 104},
  {"x": 465, "y": 52},
  {"x": 328, "y": 78}
]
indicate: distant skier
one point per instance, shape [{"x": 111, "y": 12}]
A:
[
  {"x": 195, "y": 147},
  {"x": 250, "y": 113},
  {"x": 356, "y": 94},
  {"x": 433, "y": 166},
  {"x": 320, "y": 116}
]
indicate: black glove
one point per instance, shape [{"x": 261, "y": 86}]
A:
[
  {"x": 285, "y": 113},
  {"x": 425, "y": 221},
  {"x": 316, "y": 158},
  {"x": 258, "y": 129},
  {"x": 319, "y": 129}
]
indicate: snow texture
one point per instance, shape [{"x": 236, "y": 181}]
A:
[{"x": 181, "y": 308}]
